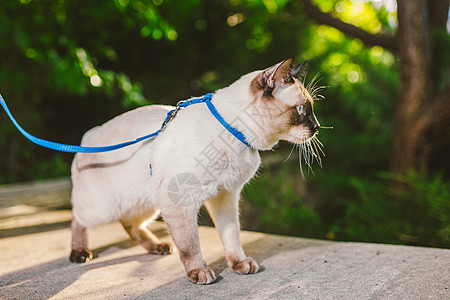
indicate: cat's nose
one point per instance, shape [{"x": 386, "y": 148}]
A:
[
  {"x": 316, "y": 127},
  {"x": 314, "y": 124}
]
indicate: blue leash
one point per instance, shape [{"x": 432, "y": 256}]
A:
[{"x": 170, "y": 115}]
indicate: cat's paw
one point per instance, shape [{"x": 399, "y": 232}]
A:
[
  {"x": 201, "y": 276},
  {"x": 245, "y": 266},
  {"x": 160, "y": 249},
  {"x": 80, "y": 256}
]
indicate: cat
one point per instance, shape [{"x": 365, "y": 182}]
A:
[{"x": 194, "y": 161}]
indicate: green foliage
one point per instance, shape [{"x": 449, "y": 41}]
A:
[
  {"x": 418, "y": 216},
  {"x": 278, "y": 207},
  {"x": 52, "y": 38},
  {"x": 56, "y": 165}
]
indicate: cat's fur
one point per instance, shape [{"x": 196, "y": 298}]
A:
[{"x": 134, "y": 184}]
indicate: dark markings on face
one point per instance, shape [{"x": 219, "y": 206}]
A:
[{"x": 296, "y": 119}]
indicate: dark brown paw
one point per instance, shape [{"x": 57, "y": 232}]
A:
[
  {"x": 161, "y": 249},
  {"x": 201, "y": 276},
  {"x": 81, "y": 256},
  {"x": 245, "y": 266}
]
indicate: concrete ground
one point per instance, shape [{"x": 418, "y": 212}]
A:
[{"x": 34, "y": 264}]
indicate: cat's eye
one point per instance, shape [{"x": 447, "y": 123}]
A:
[{"x": 300, "y": 109}]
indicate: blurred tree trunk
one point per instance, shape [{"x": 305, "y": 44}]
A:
[
  {"x": 422, "y": 117},
  {"x": 423, "y": 112}
]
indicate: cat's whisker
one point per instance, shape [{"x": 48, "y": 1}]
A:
[
  {"x": 304, "y": 77},
  {"x": 292, "y": 150},
  {"x": 314, "y": 144},
  {"x": 319, "y": 145},
  {"x": 316, "y": 89},
  {"x": 318, "y": 97},
  {"x": 300, "y": 153},
  {"x": 290, "y": 153},
  {"x": 314, "y": 81},
  {"x": 311, "y": 151},
  {"x": 307, "y": 154},
  {"x": 311, "y": 82},
  {"x": 315, "y": 94},
  {"x": 305, "y": 151},
  {"x": 311, "y": 155},
  {"x": 317, "y": 150}
]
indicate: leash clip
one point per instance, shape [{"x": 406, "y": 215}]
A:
[{"x": 172, "y": 114}]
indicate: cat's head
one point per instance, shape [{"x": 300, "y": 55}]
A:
[{"x": 279, "y": 94}]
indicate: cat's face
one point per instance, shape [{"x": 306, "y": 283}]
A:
[{"x": 286, "y": 103}]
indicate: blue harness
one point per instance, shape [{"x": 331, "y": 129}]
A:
[{"x": 170, "y": 115}]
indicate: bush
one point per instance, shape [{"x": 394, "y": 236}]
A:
[
  {"x": 417, "y": 216},
  {"x": 366, "y": 212},
  {"x": 280, "y": 212}
]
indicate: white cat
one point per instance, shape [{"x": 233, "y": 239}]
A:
[{"x": 195, "y": 161}]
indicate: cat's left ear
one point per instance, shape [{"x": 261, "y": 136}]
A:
[{"x": 276, "y": 74}]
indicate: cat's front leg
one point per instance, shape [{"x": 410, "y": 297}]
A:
[
  {"x": 182, "y": 225},
  {"x": 224, "y": 210}
]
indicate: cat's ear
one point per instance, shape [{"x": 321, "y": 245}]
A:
[
  {"x": 276, "y": 74},
  {"x": 299, "y": 70}
]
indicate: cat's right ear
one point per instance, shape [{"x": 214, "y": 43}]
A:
[
  {"x": 299, "y": 70},
  {"x": 276, "y": 74}
]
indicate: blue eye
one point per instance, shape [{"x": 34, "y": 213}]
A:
[{"x": 300, "y": 110}]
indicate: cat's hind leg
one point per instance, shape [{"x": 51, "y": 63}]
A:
[
  {"x": 80, "y": 252},
  {"x": 138, "y": 230}
]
